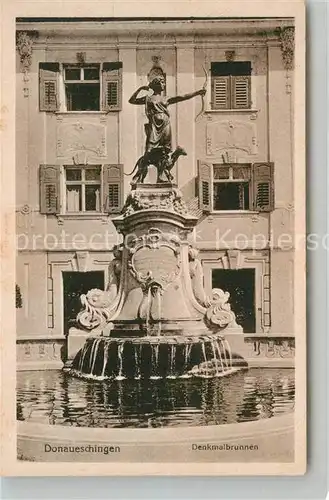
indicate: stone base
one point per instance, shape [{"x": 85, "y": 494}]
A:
[
  {"x": 270, "y": 363},
  {"x": 40, "y": 352},
  {"x": 76, "y": 340},
  {"x": 270, "y": 350},
  {"x": 39, "y": 365},
  {"x": 166, "y": 328},
  {"x": 235, "y": 338},
  {"x": 274, "y": 438}
]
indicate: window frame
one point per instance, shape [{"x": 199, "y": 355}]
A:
[
  {"x": 107, "y": 72},
  {"x": 83, "y": 183},
  {"x": 261, "y": 186},
  {"x": 230, "y": 90},
  {"x": 231, "y": 179},
  {"x": 64, "y": 82},
  {"x": 82, "y": 70}
]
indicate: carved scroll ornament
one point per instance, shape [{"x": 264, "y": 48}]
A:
[
  {"x": 98, "y": 308},
  {"x": 218, "y": 313},
  {"x": 100, "y": 305}
]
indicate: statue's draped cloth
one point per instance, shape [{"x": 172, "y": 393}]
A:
[{"x": 158, "y": 130}]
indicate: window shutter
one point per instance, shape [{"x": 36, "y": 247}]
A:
[
  {"x": 49, "y": 189},
  {"x": 241, "y": 92},
  {"x": 204, "y": 182},
  {"x": 112, "y": 86},
  {"x": 112, "y": 188},
  {"x": 263, "y": 187},
  {"x": 220, "y": 92},
  {"x": 48, "y": 87}
]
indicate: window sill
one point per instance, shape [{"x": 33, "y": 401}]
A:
[
  {"x": 87, "y": 216},
  {"x": 80, "y": 112},
  {"x": 233, "y": 212},
  {"x": 230, "y": 111}
]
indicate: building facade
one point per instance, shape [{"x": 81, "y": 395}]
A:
[{"x": 78, "y": 138}]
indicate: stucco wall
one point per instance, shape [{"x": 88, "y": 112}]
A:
[{"x": 265, "y": 134}]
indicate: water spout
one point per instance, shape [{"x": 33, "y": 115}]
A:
[
  {"x": 228, "y": 348},
  {"x": 205, "y": 358},
  {"x": 220, "y": 355},
  {"x": 120, "y": 355},
  {"x": 137, "y": 355},
  {"x": 106, "y": 353},
  {"x": 172, "y": 361},
  {"x": 215, "y": 355},
  {"x": 83, "y": 355},
  {"x": 93, "y": 356}
]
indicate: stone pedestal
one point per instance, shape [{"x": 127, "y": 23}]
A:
[
  {"x": 159, "y": 279},
  {"x": 156, "y": 298}
]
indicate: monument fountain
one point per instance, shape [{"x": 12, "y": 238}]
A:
[
  {"x": 155, "y": 345},
  {"x": 155, "y": 319}
]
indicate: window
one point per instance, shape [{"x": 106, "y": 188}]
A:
[
  {"x": 230, "y": 85},
  {"x": 231, "y": 187},
  {"x": 236, "y": 186},
  {"x": 82, "y": 189},
  {"x": 82, "y": 87},
  {"x": 85, "y": 189}
]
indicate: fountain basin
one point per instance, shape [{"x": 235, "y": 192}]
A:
[
  {"x": 265, "y": 441},
  {"x": 154, "y": 357},
  {"x": 157, "y": 420}
]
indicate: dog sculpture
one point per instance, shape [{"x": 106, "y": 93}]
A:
[{"x": 161, "y": 159}]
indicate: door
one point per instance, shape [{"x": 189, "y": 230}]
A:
[
  {"x": 241, "y": 286},
  {"x": 74, "y": 285}
]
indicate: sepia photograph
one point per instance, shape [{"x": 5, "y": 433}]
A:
[{"x": 156, "y": 241}]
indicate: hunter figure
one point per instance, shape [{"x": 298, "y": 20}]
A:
[{"x": 158, "y": 146}]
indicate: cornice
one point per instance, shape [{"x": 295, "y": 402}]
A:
[{"x": 223, "y": 27}]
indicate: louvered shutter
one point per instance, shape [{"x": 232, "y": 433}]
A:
[
  {"x": 49, "y": 189},
  {"x": 263, "y": 187},
  {"x": 112, "y": 86},
  {"x": 204, "y": 182},
  {"x": 48, "y": 87},
  {"x": 241, "y": 92},
  {"x": 220, "y": 92},
  {"x": 112, "y": 188}
]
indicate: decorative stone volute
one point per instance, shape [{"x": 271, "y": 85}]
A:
[{"x": 219, "y": 313}]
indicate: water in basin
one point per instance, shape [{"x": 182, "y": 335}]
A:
[{"x": 54, "y": 397}]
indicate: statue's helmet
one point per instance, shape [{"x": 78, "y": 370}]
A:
[{"x": 157, "y": 81}]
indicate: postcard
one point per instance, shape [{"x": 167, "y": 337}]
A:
[{"x": 153, "y": 235}]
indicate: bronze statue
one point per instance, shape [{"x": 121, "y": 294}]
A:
[{"x": 158, "y": 147}]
